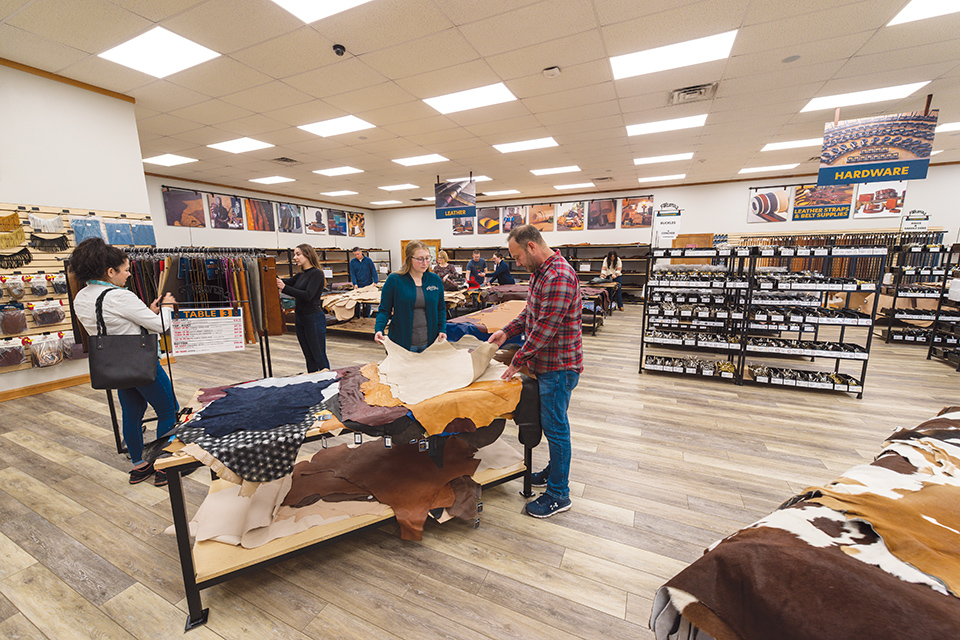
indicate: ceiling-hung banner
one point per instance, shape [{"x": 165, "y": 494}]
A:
[
  {"x": 456, "y": 199},
  {"x": 815, "y": 202},
  {"x": 892, "y": 147},
  {"x": 770, "y": 204}
]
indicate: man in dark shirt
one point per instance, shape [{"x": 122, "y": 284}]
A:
[
  {"x": 363, "y": 273},
  {"x": 501, "y": 272},
  {"x": 476, "y": 270}
]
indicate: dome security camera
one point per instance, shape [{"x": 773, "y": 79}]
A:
[{"x": 339, "y": 49}]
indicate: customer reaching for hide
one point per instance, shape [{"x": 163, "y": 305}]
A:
[
  {"x": 553, "y": 352},
  {"x": 412, "y": 302},
  {"x": 306, "y": 288}
]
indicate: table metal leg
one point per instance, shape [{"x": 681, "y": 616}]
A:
[
  {"x": 528, "y": 463},
  {"x": 197, "y": 615}
]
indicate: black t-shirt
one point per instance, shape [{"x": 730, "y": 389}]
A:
[{"x": 305, "y": 287}]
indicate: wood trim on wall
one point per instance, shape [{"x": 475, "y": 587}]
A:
[
  {"x": 70, "y": 81},
  {"x": 43, "y": 387}
]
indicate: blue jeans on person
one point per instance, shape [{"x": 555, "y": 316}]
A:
[
  {"x": 133, "y": 403},
  {"x": 555, "y": 389},
  {"x": 619, "y": 294},
  {"x": 312, "y": 335}
]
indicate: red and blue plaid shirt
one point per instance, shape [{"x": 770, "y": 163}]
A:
[{"x": 551, "y": 321}]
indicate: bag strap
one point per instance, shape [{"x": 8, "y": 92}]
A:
[{"x": 101, "y": 325}]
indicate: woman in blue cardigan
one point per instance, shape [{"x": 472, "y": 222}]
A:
[{"x": 412, "y": 302}]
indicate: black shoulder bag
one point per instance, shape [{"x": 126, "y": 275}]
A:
[{"x": 121, "y": 362}]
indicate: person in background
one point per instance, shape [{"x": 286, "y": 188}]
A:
[
  {"x": 412, "y": 302},
  {"x": 612, "y": 270},
  {"x": 476, "y": 270},
  {"x": 447, "y": 272},
  {"x": 553, "y": 352},
  {"x": 501, "y": 271},
  {"x": 363, "y": 273},
  {"x": 105, "y": 268},
  {"x": 306, "y": 288}
]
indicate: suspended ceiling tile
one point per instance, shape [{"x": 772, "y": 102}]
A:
[
  {"x": 428, "y": 125},
  {"x": 457, "y": 149},
  {"x": 613, "y": 11},
  {"x": 901, "y": 59},
  {"x": 436, "y": 51},
  {"x": 887, "y": 78},
  {"x": 609, "y": 136},
  {"x": 9, "y": 7},
  {"x": 459, "y": 77},
  {"x": 388, "y": 149},
  {"x": 107, "y": 75},
  {"x": 764, "y": 12},
  {"x": 289, "y": 53},
  {"x": 573, "y": 77},
  {"x": 219, "y": 77},
  {"x": 544, "y": 21},
  {"x": 785, "y": 102},
  {"x": 207, "y": 135},
  {"x": 254, "y": 126},
  {"x": 211, "y": 112},
  {"x": 675, "y": 25},
  {"x": 381, "y": 95},
  {"x": 520, "y": 123},
  {"x": 599, "y": 109},
  {"x": 908, "y": 35},
  {"x": 492, "y": 113},
  {"x": 80, "y": 23},
  {"x": 29, "y": 49},
  {"x": 166, "y": 124},
  {"x": 827, "y": 24},
  {"x": 382, "y": 24},
  {"x": 560, "y": 52},
  {"x": 667, "y": 81},
  {"x": 157, "y": 10},
  {"x": 436, "y": 136},
  {"x": 465, "y": 11},
  {"x": 219, "y": 25},
  {"x": 303, "y": 113},
  {"x": 803, "y": 78},
  {"x": 811, "y": 53},
  {"x": 166, "y": 96},
  {"x": 572, "y": 97},
  {"x": 613, "y": 122},
  {"x": 345, "y": 75},
  {"x": 405, "y": 112},
  {"x": 268, "y": 97},
  {"x": 324, "y": 147},
  {"x": 637, "y": 104}
]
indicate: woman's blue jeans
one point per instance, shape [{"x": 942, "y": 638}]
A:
[{"x": 133, "y": 402}]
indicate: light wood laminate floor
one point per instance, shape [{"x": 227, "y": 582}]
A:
[{"x": 662, "y": 467}]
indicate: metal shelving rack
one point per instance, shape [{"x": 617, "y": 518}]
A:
[
  {"x": 917, "y": 272},
  {"x": 945, "y": 332}
]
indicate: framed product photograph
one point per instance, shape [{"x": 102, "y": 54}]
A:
[
  {"x": 290, "y": 220},
  {"x": 488, "y": 220},
  {"x": 337, "y": 222},
  {"x": 183, "y": 208},
  {"x": 570, "y": 216},
  {"x": 513, "y": 217},
  {"x": 226, "y": 212},
  {"x": 462, "y": 226},
  {"x": 356, "y": 224},
  {"x": 602, "y": 214},
  {"x": 259, "y": 215},
  {"x": 315, "y": 220},
  {"x": 636, "y": 213},
  {"x": 541, "y": 216},
  {"x": 880, "y": 199},
  {"x": 770, "y": 204}
]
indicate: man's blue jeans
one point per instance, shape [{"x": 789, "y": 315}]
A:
[{"x": 555, "y": 390}]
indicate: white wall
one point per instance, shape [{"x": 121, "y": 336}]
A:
[
  {"x": 714, "y": 208},
  {"x": 209, "y": 237},
  {"x": 65, "y": 147}
]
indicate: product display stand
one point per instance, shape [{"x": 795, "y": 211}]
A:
[
  {"x": 587, "y": 259},
  {"x": 945, "y": 332},
  {"x": 916, "y": 273}
]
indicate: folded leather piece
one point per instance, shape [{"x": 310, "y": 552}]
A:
[
  {"x": 400, "y": 476},
  {"x": 321, "y": 484},
  {"x": 354, "y": 408},
  {"x": 466, "y": 498}
]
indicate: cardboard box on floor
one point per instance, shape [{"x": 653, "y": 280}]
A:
[{"x": 862, "y": 301}]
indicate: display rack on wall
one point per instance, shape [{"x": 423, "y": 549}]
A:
[
  {"x": 945, "y": 332},
  {"x": 911, "y": 291}
]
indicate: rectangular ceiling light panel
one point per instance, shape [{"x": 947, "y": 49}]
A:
[
  {"x": 169, "y": 160},
  {"x": 549, "y": 172},
  {"x": 159, "y": 53},
  {"x": 793, "y": 144},
  {"x": 334, "y": 194},
  {"x": 467, "y": 179},
  {"x": 336, "y": 126},
  {"x": 525, "y": 145},
  {"x": 923, "y": 9},
  {"x": 417, "y": 160},
  {"x": 668, "y": 158},
  {"x": 240, "y": 145},
  {"x": 505, "y": 192},
  {"x": 312, "y": 10},
  {"x": 666, "y": 125},
  {"x": 676, "y": 176},
  {"x": 387, "y": 202},
  {"x": 778, "y": 167},
  {"x": 399, "y": 187},
  {"x": 471, "y": 98},
  {"x": 673, "y": 56},
  {"x": 947, "y": 126},
  {"x": 863, "y": 97},
  {"x": 338, "y": 171},
  {"x": 579, "y": 185},
  {"x": 273, "y": 180}
]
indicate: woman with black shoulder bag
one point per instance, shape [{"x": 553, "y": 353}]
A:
[{"x": 105, "y": 270}]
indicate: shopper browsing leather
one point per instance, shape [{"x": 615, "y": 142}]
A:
[
  {"x": 412, "y": 302},
  {"x": 501, "y": 271},
  {"x": 612, "y": 271},
  {"x": 105, "y": 268},
  {"x": 447, "y": 272},
  {"x": 363, "y": 273},
  {"x": 476, "y": 270},
  {"x": 311, "y": 323}
]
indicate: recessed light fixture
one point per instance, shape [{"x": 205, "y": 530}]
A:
[
  {"x": 310, "y": 10},
  {"x": 525, "y": 145},
  {"x": 169, "y": 160},
  {"x": 505, "y": 192},
  {"x": 776, "y": 167},
  {"x": 387, "y": 202},
  {"x": 666, "y": 125},
  {"x": 933, "y": 153},
  {"x": 579, "y": 185},
  {"x": 676, "y": 176},
  {"x": 159, "y": 53},
  {"x": 673, "y": 56},
  {"x": 336, "y": 126},
  {"x": 240, "y": 145},
  {"x": 922, "y": 9},
  {"x": 669, "y": 158},
  {"x": 553, "y": 170},
  {"x": 338, "y": 171},
  {"x": 334, "y": 194},
  {"x": 793, "y": 144},
  {"x": 863, "y": 97},
  {"x": 467, "y": 179},
  {"x": 430, "y": 198},
  {"x": 947, "y": 126},
  {"x": 399, "y": 187},
  {"x": 415, "y": 160},
  {"x": 471, "y": 98},
  {"x": 273, "y": 180}
]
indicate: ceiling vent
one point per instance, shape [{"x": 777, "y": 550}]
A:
[
  {"x": 696, "y": 93},
  {"x": 285, "y": 161},
  {"x": 814, "y": 159},
  {"x": 602, "y": 179}
]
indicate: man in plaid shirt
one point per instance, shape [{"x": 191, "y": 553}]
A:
[{"x": 553, "y": 352}]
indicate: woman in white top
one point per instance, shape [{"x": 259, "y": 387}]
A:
[
  {"x": 612, "y": 269},
  {"x": 104, "y": 268}
]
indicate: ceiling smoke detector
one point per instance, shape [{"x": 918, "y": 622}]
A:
[
  {"x": 285, "y": 161},
  {"x": 696, "y": 93}
]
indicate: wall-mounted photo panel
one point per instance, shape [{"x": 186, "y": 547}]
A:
[
  {"x": 880, "y": 199},
  {"x": 570, "y": 216},
  {"x": 259, "y": 215},
  {"x": 602, "y": 214},
  {"x": 488, "y": 220},
  {"x": 513, "y": 217},
  {"x": 226, "y": 212},
  {"x": 636, "y": 213},
  {"x": 290, "y": 220},
  {"x": 827, "y": 202},
  {"x": 463, "y": 226},
  {"x": 183, "y": 208},
  {"x": 337, "y": 222},
  {"x": 315, "y": 220},
  {"x": 356, "y": 224},
  {"x": 541, "y": 216},
  {"x": 770, "y": 204}
]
